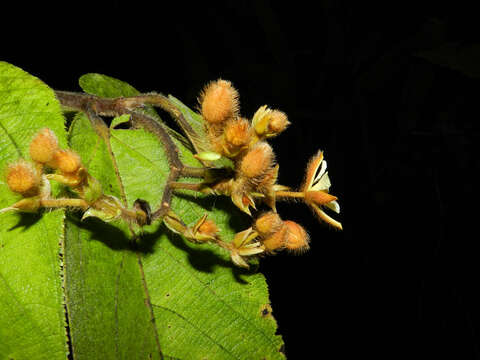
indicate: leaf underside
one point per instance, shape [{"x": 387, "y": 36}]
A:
[{"x": 125, "y": 298}]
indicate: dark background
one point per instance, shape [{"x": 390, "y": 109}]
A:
[{"x": 390, "y": 92}]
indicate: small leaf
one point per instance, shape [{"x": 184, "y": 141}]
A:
[
  {"x": 119, "y": 120},
  {"x": 110, "y": 87},
  {"x": 199, "y": 136}
]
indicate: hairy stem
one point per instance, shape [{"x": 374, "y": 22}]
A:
[
  {"x": 57, "y": 203},
  {"x": 289, "y": 194},
  {"x": 161, "y": 101},
  {"x": 149, "y": 124},
  {"x": 94, "y": 107},
  {"x": 187, "y": 186}
]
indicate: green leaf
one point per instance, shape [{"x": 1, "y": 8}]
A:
[
  {"x": 119, "y": 120},
  {"x": 110, "y": 87},
  {"x": 203, "y": 306},
  {"x": 158, "y": 296},
  {"x": 199, "y": 138},
  {"x": 32, "y": 318}
]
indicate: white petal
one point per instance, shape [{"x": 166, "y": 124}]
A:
[
  {"x": 322, "y": 167},
  {"x": 323, "y": 183},
  {"x": 333, "y": 205}
]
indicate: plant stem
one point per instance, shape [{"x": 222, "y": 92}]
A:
[
  {"x": 186, "y": 186},
  {"x": 162, "y": 102},
  {"x": 291, "y": 194},
  {"x": 94, "y": 107},
  {"x": 56, "y": 203}
]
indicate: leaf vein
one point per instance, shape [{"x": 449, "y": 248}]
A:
[
  {"x": 17, "y": 148},
  {"x": 196, "y": 328},
  {"x": 134, "y": 150}
]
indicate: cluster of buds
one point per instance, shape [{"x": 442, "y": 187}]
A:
[
  {"x": 268, "y": 235},
  {"x": 244, "y": 142},
  {"x": 31, "y": 179},
  {"x": 277, "y": 234},
  {"x": 255, "y": 175}
]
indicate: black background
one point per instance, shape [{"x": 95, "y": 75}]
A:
[{"x": 399, "y": 132}]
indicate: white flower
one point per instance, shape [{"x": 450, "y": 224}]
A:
[{"x": 316, "y": 187}]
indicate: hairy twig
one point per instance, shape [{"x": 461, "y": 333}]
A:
[{"x": 95, "y": 107}]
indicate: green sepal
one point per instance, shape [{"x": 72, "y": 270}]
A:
[
  {"x": 104, "y": 216},
  {"x": 93, "y": 191}
]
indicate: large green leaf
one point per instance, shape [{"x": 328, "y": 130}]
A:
[
  {"x": 157, "y": 296},
  {"x": 32, "y": 318},
  {"x": 203, "y": 306}
]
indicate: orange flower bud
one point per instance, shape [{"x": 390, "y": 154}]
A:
[
  {"x": 278, "y": 122},
  {"x": 296, "y": 238},
  {"x": 257, "y": 161},
  {"x": 67, "y": 161},
  {"x": 23, "y": 178},
  {"x": 268, "y": 122},
  {"x": 238, "y": 132},
  {"x": 208, "y": 228},
  {"x": 43, "y": 146},
  {"x": 219, "y": 101},
  {"x": 268, "y": 223},
  {"x": 277, "y": 240}
]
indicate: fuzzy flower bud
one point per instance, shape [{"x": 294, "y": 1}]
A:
[
  {"x": 23, "y": 178},
  {"x": 67, "y": 161},
  {"x": 268, "y": 122},
  {"x": 278, "y": 122},
  {"x": 208, "y": 228},
  {"x": 276, "y": 241},
  {"x": 296, "y": 238},
  {"x": 219, "y": 101},
  {"x": 237, "y": 134},
  {"x": 257, "y": 161},
  {"x": 43, "y": 146},
  {"x": 267, "y": 224}
]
